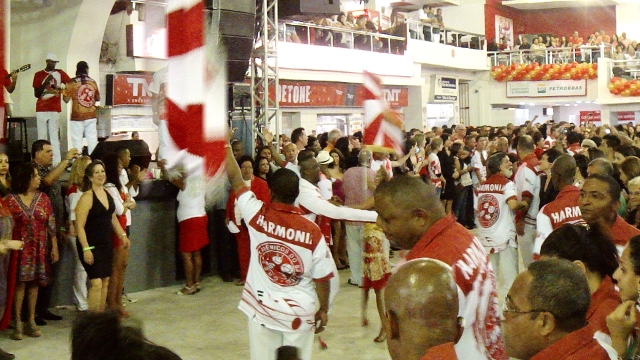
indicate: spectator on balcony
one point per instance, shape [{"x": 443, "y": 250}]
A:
[
  {"x": 606, "y": 39},
  {"x": 614, "y": 40},
  {"x": 415, "y": 27},
  {"x": 538, "y": 51},
  {"x": 576, "y": 42},
  {"x": 525, "y": 45},
  {"x": 623, "y": 39},
  {"x": 548, "y": 42},
  {"x": 427, "y": 18},
  {"x": 504, "y": 45},
  {"x": 439, "y": 25}
]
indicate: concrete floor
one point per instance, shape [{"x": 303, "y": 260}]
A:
[{"x": 208, "y": 325}]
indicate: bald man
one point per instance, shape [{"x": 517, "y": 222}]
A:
[
  {"x": 503, "y": 144},
  {"x": 422, "y": 311},
  {"x": 564, "y": 209},
  {"x": 411, "y": 216}
]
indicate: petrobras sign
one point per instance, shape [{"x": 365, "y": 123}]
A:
[
  {"x": 444, "y": 89},
  {"x": 548, "y": 88}
]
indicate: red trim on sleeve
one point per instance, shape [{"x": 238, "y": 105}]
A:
[
  {"x": 242, "y": 191},
  {"x": 512, "y": 198},
  {"x": 527, "y": 194},
  {"x": 326, "y": 278}
]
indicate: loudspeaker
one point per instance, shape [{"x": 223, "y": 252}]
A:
[
  {"x": 236, "y": 19},
  {"x": 308, "y": 7},
  {"x": 139, "y": 149}
]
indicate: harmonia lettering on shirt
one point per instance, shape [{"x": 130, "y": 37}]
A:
[
  {"x": 282, "y": 232},
  {"x": 566, "y": 213}
]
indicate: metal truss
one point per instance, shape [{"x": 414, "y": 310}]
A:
[{"x": 265, "y": 87}]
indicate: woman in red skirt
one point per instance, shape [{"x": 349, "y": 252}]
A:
[{"x": 192, "y": 223}]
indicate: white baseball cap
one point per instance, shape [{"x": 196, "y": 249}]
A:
[{"x": 51, "y": 56}]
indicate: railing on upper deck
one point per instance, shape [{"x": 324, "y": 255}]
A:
[
  {"x": 392, "y": 40},
  {"x": 588, "y": 54},
  {"x": 419, "y": 30}
]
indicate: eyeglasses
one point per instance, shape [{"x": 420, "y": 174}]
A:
[{"x": 506, "y": 309}]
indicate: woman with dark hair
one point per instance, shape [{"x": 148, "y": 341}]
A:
[
  {"x": 336, "y": 171},
  {"x": 101, "y": 336},
  {"x": 596, "y": 254},
  {"x": 35, "y": 225},
  {"x": 449, "y": 172},
  {"x": 464, "y": 184},
  {"x": 548, "y": 192},
  {"x": 582, "y": 162},
  {"x": 234, "y": 219},
  {"x": 629, "y": 169},
  {"x": 346, "y": 148},
  {"x": 96, "y": 221},
  {"x": 623, "y": 321},
  {"x": 123, "y": 202},
  {"x": 262, "y": 168}
]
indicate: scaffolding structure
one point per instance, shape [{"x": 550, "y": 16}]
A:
[{"x": 264, "y": 69}]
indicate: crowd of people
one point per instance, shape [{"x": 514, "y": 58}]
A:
[
  {"x": 495, "y": 216},
  {"x": 570, "y": 48}
]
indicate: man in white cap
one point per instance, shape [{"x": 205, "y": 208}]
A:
[{"x": 47, "y": 87}]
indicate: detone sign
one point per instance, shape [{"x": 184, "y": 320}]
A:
[
  {"x": 132, "y": 89},
  {"x": 320, "y": 94},
  {"x": 546, "y": 88}
]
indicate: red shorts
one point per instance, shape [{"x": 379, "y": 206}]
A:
[{"x": 193, "y": 234}]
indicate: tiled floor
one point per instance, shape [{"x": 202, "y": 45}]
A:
[{"x": 208, "y": 325}]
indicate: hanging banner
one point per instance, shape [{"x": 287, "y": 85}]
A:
[
  {"x": 504, "y": 29},
  {"x": 594, "y": 116},
  {"x": 129, "y": 89},
  {"x": 548, "y": 88},
  {"x": 321, "y": 94}
]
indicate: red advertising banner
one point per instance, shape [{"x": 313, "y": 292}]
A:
[
  {"x": 595, "y": 116},
  {"x": 132, "y": 89},
  {"x": 321, "y": 94}
]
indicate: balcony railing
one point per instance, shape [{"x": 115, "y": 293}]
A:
[
  {"x": 626, "y": 69},
  {"x": 419, "y": 30},
  {"x": 392, "y": 40},
  {"x": 589, "y": 54}
]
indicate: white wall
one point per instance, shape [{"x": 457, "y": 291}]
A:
[
  {"x": 72, "y": 29},
  {"x": 469, "y": 16},
  {"x": 627, "y": 20}
]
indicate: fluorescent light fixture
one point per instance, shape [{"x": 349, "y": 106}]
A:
[
  {"x": 531, "y": 104},
  {"x": 579, "y": 101},
  {"x": 522, "y": 103},
  {"x": 575, "y": 104},
  {"x": 511, "y": 108},
  {"x": 566, "y": 104}
]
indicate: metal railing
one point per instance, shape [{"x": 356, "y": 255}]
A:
[
  {"x": 627, "y": 69},
  {"x": 312, "y": 34},
  {"x": 419, "y": 30},
  {"x": 589, "y": 54}
]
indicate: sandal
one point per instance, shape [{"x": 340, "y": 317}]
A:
[
  {"x": 381, "y": 337},
  {"x": 32, "y": 330},
  {"x": 17, "y": 331},
  {"x": 198, "y": 287},
  {"x": 186, "y": 291}
]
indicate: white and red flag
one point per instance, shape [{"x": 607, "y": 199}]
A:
[
  {"x": 383, "y": 128},
  {"x": 195, "y": 93}
]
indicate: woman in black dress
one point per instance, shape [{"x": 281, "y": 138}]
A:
[
  {"x": 96, "y": 221},
  {"x": 447, "y": 164}
]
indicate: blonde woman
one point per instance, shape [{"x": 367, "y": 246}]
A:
[{"x": 73, "y": 195}]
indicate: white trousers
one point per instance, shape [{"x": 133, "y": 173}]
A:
[
  {"x": 47, "y": 122},
  {"x": 355, "y": 241},
  {"x": 525, "y": 244},
  {"x": 264, "y": 342},
  {"x": 87, "y": 129},
  {"x": 505, "y": 266},
  {"x": 79, "y": 278}
]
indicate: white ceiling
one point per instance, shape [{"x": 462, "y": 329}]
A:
[{"x": 553, "y": 4}]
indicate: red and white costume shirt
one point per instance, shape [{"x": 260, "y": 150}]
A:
[
  {"x": 549, "y": 142},
  {"x": 435, "y": 171},
  {"x": 527, "y": 181},
  {"x": 288, "y": 253},
  {"x": 563, "y": 210},
  {"x": 478, "y": 161},
  {"x": 50, "y": 98},
  {"x": 83, "y": 98},
  {"x": 574, "y": 149},
  {"x": 450, "y": 242},
  {"x": 496, "y": 222}
]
